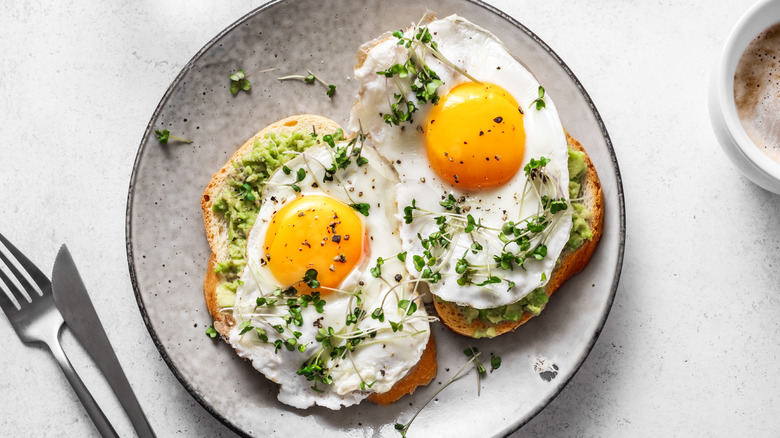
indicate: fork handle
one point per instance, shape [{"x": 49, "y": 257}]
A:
[{"x": 95, "y": 413}]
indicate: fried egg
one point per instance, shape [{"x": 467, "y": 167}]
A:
[
  {"x": 310, "y": 313},
  {"x": 465, "y": 196}
]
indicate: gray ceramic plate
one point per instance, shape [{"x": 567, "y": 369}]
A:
[{"x": 167, "y": 249}]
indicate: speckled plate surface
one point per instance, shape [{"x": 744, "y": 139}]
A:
[{"x": 167, "y": 248}]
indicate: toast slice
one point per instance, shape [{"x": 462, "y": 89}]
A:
[
  {"x": 570, "y": 262},
  {"x": 218, "y": 235},
  {"x": 217, "y": 228}
]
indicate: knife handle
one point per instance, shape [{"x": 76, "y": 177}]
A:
[{"x": 95, "y": 413}]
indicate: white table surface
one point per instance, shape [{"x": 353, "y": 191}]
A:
[{"x": 690, "y": 347}]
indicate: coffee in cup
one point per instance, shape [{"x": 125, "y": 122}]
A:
[{"x": 757, "y": 91}]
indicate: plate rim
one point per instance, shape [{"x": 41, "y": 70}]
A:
[{"x": 211, "y": 43}]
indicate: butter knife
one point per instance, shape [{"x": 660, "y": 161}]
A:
[{"x": 73, "y": 301}]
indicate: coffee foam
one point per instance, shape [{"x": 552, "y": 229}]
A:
[{"x": 757, "y": 91}]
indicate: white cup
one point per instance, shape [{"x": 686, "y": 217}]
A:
[{"x": 746, "y": 155}]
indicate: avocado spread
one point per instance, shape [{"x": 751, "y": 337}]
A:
[
  {"x": 580, "y": 231},
  {"x": 535, "y": 301},
  {"x": 240, "y": 201}
]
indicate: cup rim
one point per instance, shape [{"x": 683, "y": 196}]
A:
[{"x": 759, "y": 17}]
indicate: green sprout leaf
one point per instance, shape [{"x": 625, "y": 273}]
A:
[
  {"x": 409, "y": 212},
  {"x": 211, "y": 332},
  {"x": 471, "y": 224},
  {"x": 361, "y": 208},
  {"x": 539, "y": 252},
  {"x": 376, "y": 271},
  {"x": 535, "y": 164},
  {"x": 490, "y": 280},
  {"x": 473, "y": 352},
  {"x": 419, "y": 262},
  {"x": 245, "y": 326},
  {"x": 421, "y": 79},
  {"x": 239, "y": 81},
  {"x": 378, "y": 314},
  {"x": 310, "y": 278},
  {"x": 246, "y": 192},
  {"x": 311, "y": 78},
  {"x": 299, "y": 176},
  {"x": 409, "y": 306},
  {"x": 450, "y": 203},
  {"x": 495, "y": 363},
  {"x": 164, "y": 136},
  {"x": 539, "y": 102}
]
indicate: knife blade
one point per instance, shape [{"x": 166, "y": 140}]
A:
[{"x": 74, "y": 303}]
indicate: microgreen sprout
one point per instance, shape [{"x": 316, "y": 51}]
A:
[
  {"x": 495, "y": 362},
  {"x": 246, "y": 192},
  {"x": 376, "y": 271},
  {"x": 450, "y": 203},
  {"x": 528, "y": 236},
  {"x": 474, "y": 353},
  {"x": 211, "y": 331},
  {"x": 239, "y": 81},
  {"x": 539, "y": 102},
  {"x": 342, "y": 155},
  {"x": 409, "y": 306},
  {"x": 361, "y": 207},
  {"x": 409, "y": 212},
  {"x": 164, "y": 136},
  {"x": 310, "y": 278},
  {"x": 416, "y": 74},
  {"x": 336, "y": 346},
  {"x": 299, "y": 176},
  {"x": 403, "y": 428},
  {"x": 378, "y": 314},
  {"x": 517, "y": 241},
  {"x": 310, "y": 79}
]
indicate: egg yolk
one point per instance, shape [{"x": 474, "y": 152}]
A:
[
  {"x": 314, "y": 232},
  {"x": 475, "y": 137}
]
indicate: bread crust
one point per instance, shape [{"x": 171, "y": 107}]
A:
[
  {"x": 216, "y": 233},
  {"x": 570, "y": 262},
  {"x": 420, "y": 375}
]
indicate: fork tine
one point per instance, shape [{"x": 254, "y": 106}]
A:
[
  {"x": 28, "y": 290},
  {"x": 39, "y": 277},
  {"x": 6, "y": 304}
]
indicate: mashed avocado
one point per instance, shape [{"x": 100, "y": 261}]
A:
[
  {"x": 532, "y": 303},
  {"x": 535, "y": 301},
  {"x": 240, "y": 201},
  {"x": 580, "y": 231}
]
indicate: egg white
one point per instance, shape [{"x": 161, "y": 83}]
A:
[
  {"x": 483, "y": 56},
  {"x": 379, "y": 362}
]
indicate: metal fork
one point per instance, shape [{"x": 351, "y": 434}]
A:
[{"x": 39, "y": 321}]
